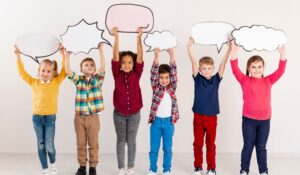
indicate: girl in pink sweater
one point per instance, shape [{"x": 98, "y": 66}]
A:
[{"x": 256, "y": 107}]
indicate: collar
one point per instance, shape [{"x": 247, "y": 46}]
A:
[{"x": 45, "y": 82}]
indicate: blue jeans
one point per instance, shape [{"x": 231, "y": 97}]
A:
[
  {"x": 44, "y": 126},
  {"x": 255, "y": 133},
  {"x": 161, "y": 128}
]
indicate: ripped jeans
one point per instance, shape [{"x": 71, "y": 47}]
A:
[{"x": 44, "y": 126}]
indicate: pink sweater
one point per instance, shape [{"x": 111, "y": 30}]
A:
[{"x": 257, "y": 92}]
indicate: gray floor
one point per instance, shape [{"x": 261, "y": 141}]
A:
[{"x": 227, "y": 164}]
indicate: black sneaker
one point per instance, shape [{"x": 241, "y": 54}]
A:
[
  {"x": 92, "y": 171},
  {"x": 81, "y": 171}
]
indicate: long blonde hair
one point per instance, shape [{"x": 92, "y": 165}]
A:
[{"x": 52, "y": 63}]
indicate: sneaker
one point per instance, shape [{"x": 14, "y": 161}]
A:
[
  {"x": 244, "y": 173},
  {"x": 130, "y": 171},
  {"x": 44, "y": 172},
  {"x": 211, "y": 172},
  {"x": 92, "y": 171},
  {"x": 53, "y": 169},
  {"x": 265, "y": 173},
  {"x": 151, "y": 173},
  {"x": 199, "y": 171},
  {"x": 121, "y": 171},
  {"x": 167, "y": 173},
  {"x": 81, "y": 171}
]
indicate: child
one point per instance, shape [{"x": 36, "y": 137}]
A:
[
  {"x": 257, "y": 106},
  {"x": 44, "y": 107},
  {"x": 127, "y": 68},
  {"x": 205, "y": 108},
  {"x": 164, "y": 111},
  {"x": 88, "y": 103}
]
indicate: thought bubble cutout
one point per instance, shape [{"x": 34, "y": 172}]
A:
[
  {"x": 37, "y": 45},
  {"x": 129, "y": 17},
  {"x": 163, "y": 40},
  {"x": 212, "y": 33},
  {"x": 83, "y": 37},
  {"x": 259, "y": 37}
]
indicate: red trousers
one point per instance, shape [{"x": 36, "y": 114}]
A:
[{"x": 205, "y": 126}]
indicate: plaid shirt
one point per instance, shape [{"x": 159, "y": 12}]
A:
[
  {"x": 158, "y": 92},
  {"x": 88, "y": 98}
]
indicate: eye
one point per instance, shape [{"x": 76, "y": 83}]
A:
[
  {"x": 43, "y": 70},
  {"x": 48, "y": 71}
]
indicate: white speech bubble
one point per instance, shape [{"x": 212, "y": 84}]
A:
[
  {"x": 83, "y": 37},
  {"x": 163, "y": 40},
  {"x": 212, "y": 33},
  {"x": 37, "y": 45},
  {"x": 259, "y": 37}
]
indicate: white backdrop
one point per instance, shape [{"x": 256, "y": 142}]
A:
[{"x": 19, "y": 17}]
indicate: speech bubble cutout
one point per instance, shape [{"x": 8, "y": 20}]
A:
[
  {"x": 129, "y": 17},
  {"x": 83, "y": 37},
  {"x": 212, "y": 33},
  {"x": 259, "y": 37},
  {"x": 162, "y": 40},
  {"x": 37, "y": 45}
]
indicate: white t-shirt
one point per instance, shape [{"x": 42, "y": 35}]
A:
[{"x": 165, "y": 107}]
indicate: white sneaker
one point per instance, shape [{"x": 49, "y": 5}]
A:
[
  {"x": 211, "y": 172},
  {"x": 244, "y": 173},
  {"x": 263, "y": 173},
  {"x": 121, "y": 171},
  {"x": 130, "y": 171},
  {"x": 151, "y": 173},
  {"x": 53, "y": 169},
  {"x": 167, "y": 173},
  {"x": 200, "y": 172},
  {"x": 44, "y": 172}
]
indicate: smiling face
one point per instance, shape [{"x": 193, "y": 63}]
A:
[
  {"x": 127, "y": 63},
  {"x": 256, "y": 69},
  {"x": 46, "y": 71},
  {"x": 88, "y": 67},
  {"x": 164, "y": 79}
]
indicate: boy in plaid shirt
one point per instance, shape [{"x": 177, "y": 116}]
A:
[
  {"x": 164, "y": 111},
  {"x": 88, "y": 102}
]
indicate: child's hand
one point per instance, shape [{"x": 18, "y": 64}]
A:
[
  {"x": 140, "y": 32},
  {"x": 281, "y": 50},
  {"x": 234, "y": 47},
  {"x": 115, "y": 31},
  {"x": 191, "y": 41},
  {"x": 100, "y": 47},
  {"x": 171, "y": 52},
  {"x": 17, "y": 51},
  {"x": 156, "y": 52},
  {"x": 61, "y": 49}
]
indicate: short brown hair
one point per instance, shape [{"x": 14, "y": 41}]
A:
[
  {"x": 85, "y": 60},
  {"x": 206, "y": 60},
  {"x": 255, "y": 58},
  {"x": 163, "y": 68}
]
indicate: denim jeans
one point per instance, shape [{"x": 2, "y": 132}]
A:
[
  {"x": 255, "y": 133},
  {"x": 44, "y": 126},
  {"x": 161, "y": 128}
]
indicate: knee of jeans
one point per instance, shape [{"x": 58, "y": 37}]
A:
[
  {"x": 50, "y": 146},
  {"x": 248, "y": 145},
  {"x": 41, "y": 145},
  {"x": 260, "y": 147},
  {"x": 167, "y": 150}
]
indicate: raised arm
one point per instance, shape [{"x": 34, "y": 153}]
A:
[
  {"x": 25, "y": 76},
  {"x": 102, "y": 58},
  {"x": 224, "y": 60},
  {"x": 233, "y": 52},
  {"x": 62, "y": 74},
  {"x": 139, "y": 58},
  {"x": 154, "y": 69},
  {"x": 234, "y": 63},
  {"x": 173, "y": 71},
  {"x": 195, "y": 67},
  {"x": 67, "y": 63},
  {"x": 116, "y": 44},
  {"x": 275, "y": 76}
]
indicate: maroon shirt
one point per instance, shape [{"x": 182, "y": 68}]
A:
[{"x": 127, "y": 93}]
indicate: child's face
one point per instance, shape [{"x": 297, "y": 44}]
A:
[
  {"x": 46, "y": 72},
  {"x": 164, "y": 79},
  {"x": 206, "y": 70},
  {"x": 127, "y": 63},
  {"x": 256, "y": 69},
  {"x": 88, "y": 68}
]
